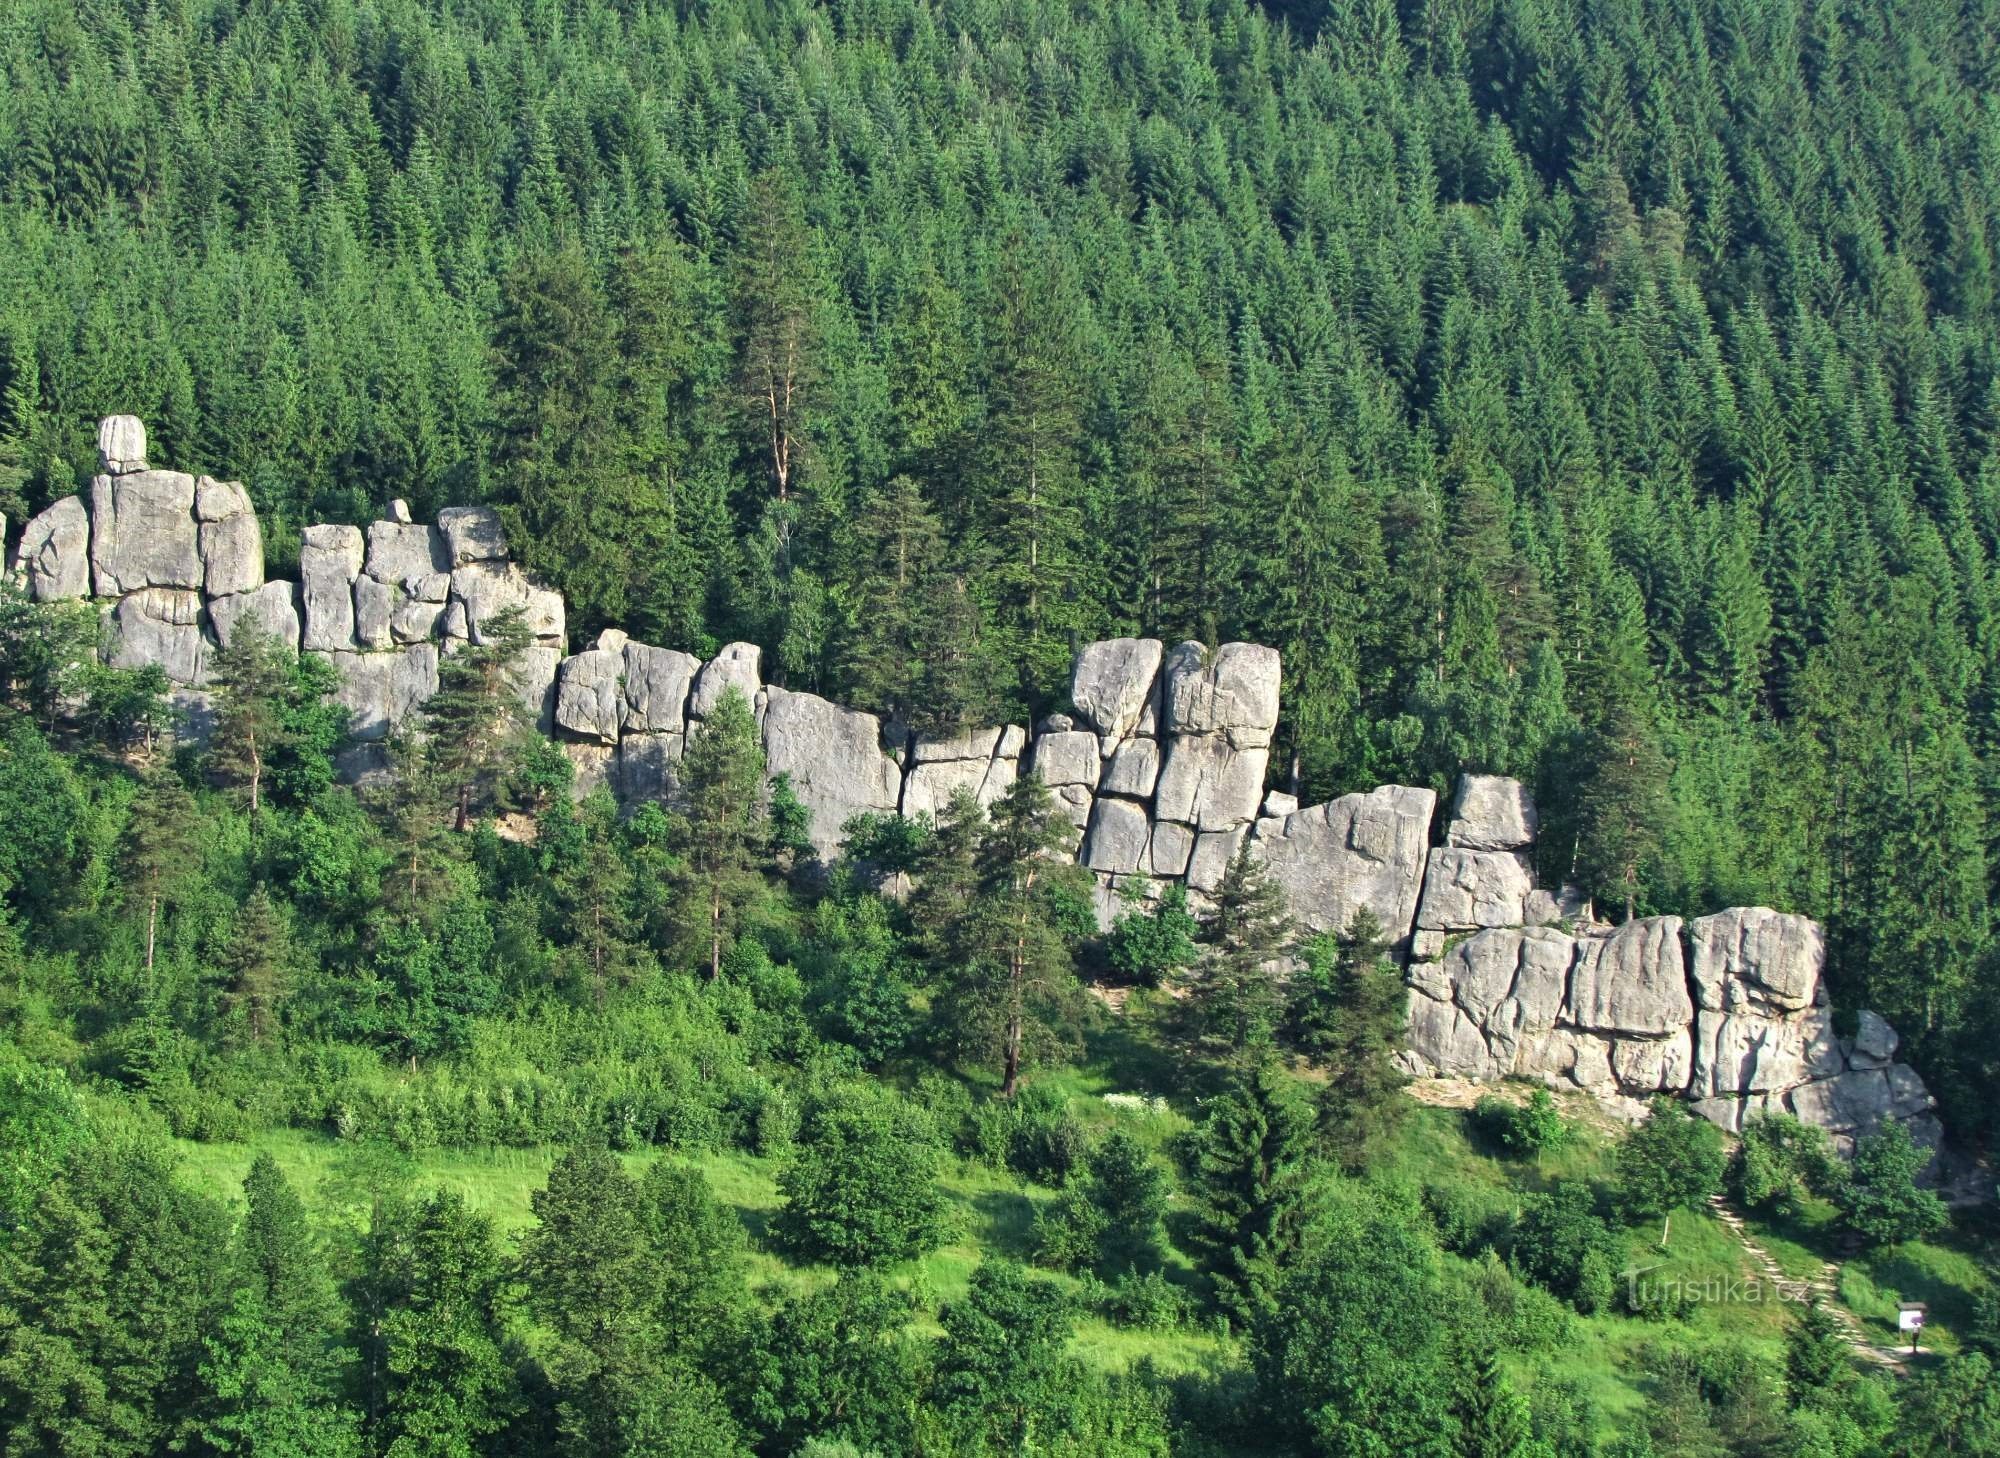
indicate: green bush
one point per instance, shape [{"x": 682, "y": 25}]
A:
[
  {"x": 1149, "y": 1302},
  {"x": 1673, "y": 1161},
  {"x": 1535, "y": 1127},
  {"x": 1880, "y": 1200},
  {"x": 1779, "y": 1162},
  {"x": 1563, "y": 1245},
  {"x": 861, "y": 1189}
]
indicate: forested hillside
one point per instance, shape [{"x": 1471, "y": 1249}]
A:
[
  {"x": 1599, "y": 393},
  {"x": 1603, "y": 393}
]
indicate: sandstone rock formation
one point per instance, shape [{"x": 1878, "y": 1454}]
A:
[
  {"x": 1728, "y": 1011},
  {"x": 1160, "y": 768}
]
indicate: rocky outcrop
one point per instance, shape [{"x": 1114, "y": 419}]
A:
[
  {"x": 53, "y": 556},
  {"x": 1159, "y": 767},
  {"x": 1360, "y": 851},
  {"x": 1728, "y": 1011}
]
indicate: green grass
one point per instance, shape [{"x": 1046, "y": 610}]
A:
[{"x": 989, "y": 1212}]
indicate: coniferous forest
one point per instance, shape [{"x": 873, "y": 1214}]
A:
[{"x": 1602, "y": 393}]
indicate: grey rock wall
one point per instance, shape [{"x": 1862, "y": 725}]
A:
[
  {"x": 1159, "y": 766},
  {"x": 1507, "y": 980}
]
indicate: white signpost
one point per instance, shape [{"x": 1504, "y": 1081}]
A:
[{"x": 1910, "y": 1318}]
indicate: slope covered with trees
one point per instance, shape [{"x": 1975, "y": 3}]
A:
[
  {"x": 1602, "y": 393},
  {"x": 1599, "y": 393}
]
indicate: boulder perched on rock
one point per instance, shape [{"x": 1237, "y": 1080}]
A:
[
  {"x": 472, "y": 534},
  {"x": 142, "y": 533},
  {"x": 400, "y": 551},
  {"x": 1492, "y": 813},
  {"x": 121, "y": 444},
  {"x": 1358, "y": 851},
  {"x": 1112, "y": 683},
  {"x": 53, "y": 555},
  {"x": 835, "y": 760}
]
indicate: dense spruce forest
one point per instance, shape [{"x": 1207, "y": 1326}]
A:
[{"x": 1604, "y": 393}]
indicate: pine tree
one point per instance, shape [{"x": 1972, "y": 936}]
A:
[
  {"x": 1364, "y": 1032},
  {"x": 253, "y": 678},
  {"x": 593, "y": 887},
  {"x": 159, "y": 843},
  {"x": 473, "y": 727},
  {"x": 258, "y": 961},
  {"x": 1240, "y": 990},
  {"x": 778, "y": 367}
]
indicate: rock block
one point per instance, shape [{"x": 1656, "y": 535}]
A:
[
  {"x": 54, "y": 552},
  {"x": 142, "y": 532},
  {"x": 834, "y": 757},
  {"x": 1492, "y": 813},
  {"x": 1113, "y": 681},
  {"x": 1358, "y": 851}
]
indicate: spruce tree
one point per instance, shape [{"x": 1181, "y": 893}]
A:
[
  {"x": 473, "y": 727},
  {"x": 1251, "y": 1167},
  {"x": 1014, "y": 995},
  {"x": 1240, "y": 990},
  {"x": 159, "y": 843},
  {"x": 722, "y": 827}
]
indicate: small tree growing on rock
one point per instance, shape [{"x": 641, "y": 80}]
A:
[{"x": 722, "y": 830}]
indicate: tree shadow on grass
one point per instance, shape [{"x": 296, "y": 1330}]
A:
[{"x": 1003, "y": 1223}]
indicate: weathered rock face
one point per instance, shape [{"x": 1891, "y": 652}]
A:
[
  {"x": 983, "y": 762},
  {"x": 835, "y": 760},
  {"x": 656, "y": 689},
  {"x": 1727, "y": 1011},
  {"x": 736, "y": 665},
  {"x": 590, "y": 695},
  {"x": 471, "y": 534},
  {"x": 53, "y": 554},
  {"x": 1358, "y": 851},
  {"x": 382, "y": 690},
  {"x": 143, "y": 533},
  {"x": 1492, "y": 813},
  {"x": 121, "y": 444},
  {"x": 1233, "y": 691},
  {"x": 1114, "y": 682},
  {"x": 160, "y": 625},
  {"x": 230, "y": 542},
  {"x": 330, "y": 559},
  {"x": 272, "y": 607}
]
